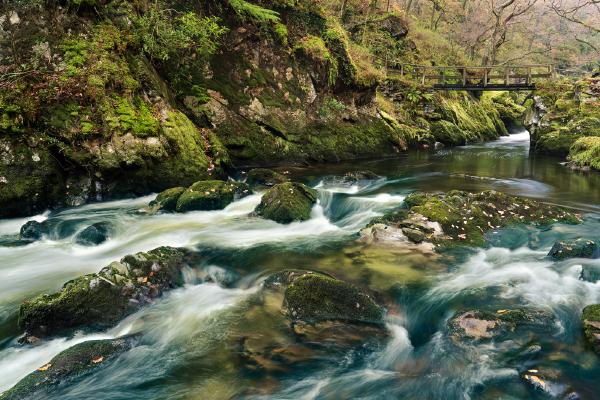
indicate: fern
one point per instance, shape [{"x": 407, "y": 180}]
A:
[{"x": 253, "y": 12}]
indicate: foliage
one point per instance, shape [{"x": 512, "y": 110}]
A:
[
  {"x": 253, "y": 12},
  {"x": 163, "y": 35}
]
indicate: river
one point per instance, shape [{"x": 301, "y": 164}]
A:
[{"x": 188, "y": 350}]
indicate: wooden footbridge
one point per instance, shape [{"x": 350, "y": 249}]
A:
[{"x": 497, "y": 77}]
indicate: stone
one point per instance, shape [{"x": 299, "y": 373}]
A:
[
  {"x": 578, "y": 248},
  {"x": 94, "y": 234},
  {"x": 33, "y": 230},
  {"x": 167, "y": 200},
  {"x": 590, "y": 320},
  {"x": 287, "y": 202},
  {"x": 211, "y": 195},
  {"x": 313, "y": 297},
  {"x": 100, "y": 300},
  {"x": 81, "y": 359},
  {"x": 590, "y": 273}
]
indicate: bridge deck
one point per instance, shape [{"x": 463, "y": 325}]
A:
[{"x": 460, "y": 77}]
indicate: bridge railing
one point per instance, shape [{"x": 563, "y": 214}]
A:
[{"x": 476, "y": 77}]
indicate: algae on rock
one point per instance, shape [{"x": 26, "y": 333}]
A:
[{"x": 287, "y": 202}]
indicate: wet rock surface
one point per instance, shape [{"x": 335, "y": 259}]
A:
[
  {"x": 578, "y": 248},
  {"x": 94, "y": 234},
  {"x": 287, "y": 202},
  {"x": 590, "y": 320},
  {"x": 97, "y": 301},
  {"x": 78, "y": 360},
  {"x": 33, "y": 230}
]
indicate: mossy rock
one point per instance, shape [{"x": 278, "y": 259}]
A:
[
  {"x": 466, "y": 217},
  {"x": 211, "y": 195},
  {"x": 482, "y": 325},
  {"x": 98, "y": 301},
  {"x": 81, "y": 359},
  {"x": 313, "y": 297},
  {"x": 578, "y": 248},
  {"x": 590, "y": 319},
  {"x": 262, "y": 177},
  {"x": 94, "y": 234},
  {"x": 167, "y": 200},
  {"x": 448, "y": 133},
  {"x": 287, "y": 202},
  {"x": 585, "y": 153}
]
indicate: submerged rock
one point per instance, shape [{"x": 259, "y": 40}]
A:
[
  {"x": 33, "y": 230},
  {"x": 98, "y": 301},
  {"x": 78, "y": 360},
  {"x": 479, "y": 325},
  {"x": 462, "y": 218},
  {"x": 94, "y": 234},
  {"x": 578, "y": 248},
  {"x": 287, "y": 202},
  {"x": 590, "y": 319},
  {"x": 590, "y": 273},
  {"x": 211, "y": 195},
  {"x": 263, "y": 177},
  {"x": 547, "y": 382},
  {"x": 167, "y": 200},
  {"x": 351, "y": 178}
]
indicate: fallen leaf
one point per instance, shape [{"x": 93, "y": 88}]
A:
[
  {"x": 45, "y": 367},
  {"x": 97, "y": 360}
]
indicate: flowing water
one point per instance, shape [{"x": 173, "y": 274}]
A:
[{"x": 190, "y": 346}]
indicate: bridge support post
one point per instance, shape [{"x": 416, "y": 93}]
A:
[
  {"x": 464, "y": 76},
  {"x": 506, "y": 74},
  {"x": 485, "y": 77}
]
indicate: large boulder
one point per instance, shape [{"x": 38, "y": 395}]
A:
[
  {"x": 287, "y": 202},
  {"x": 578, "y": 248},
  {"x": 33, "y": 230},
  {"x": 94, "y": 234},
  {"x": 98, "y": 301},
  {"x": 590, "y": 319},
  {"x": 211, "y": 195},
  {"x": 262, "y": 177},
  {"x": 78, "y": 360},
  {"x": 167, "y": 200}
]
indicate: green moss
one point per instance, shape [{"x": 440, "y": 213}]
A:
[
  {"x": 287, "y": 202},
  {"x": 123, "y": 115},
  {"x": 80, "y": 359},
  {"x": 211, "y": 195},
  {"x": 465, "y": 217},
  {"x": 167, "y": 200},
  {"x": 585, "y": 152},
  {"x": 315, "y": 297},
  {"x": 315, "y": 49},
  {"x": 97, "y": 301}
]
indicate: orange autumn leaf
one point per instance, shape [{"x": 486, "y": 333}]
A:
[
  {"x": 97, "y": 360},
  {"x": 45, "y": 367}
]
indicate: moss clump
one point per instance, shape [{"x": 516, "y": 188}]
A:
[
  {"x": 211, "y": 195},
  {"x": 264, "y": 177},
  {"x": 585, "y": 153},
  {"x": 314, "y": 298},
  {"x": 448, "y": 133},
  {"x": 167, "y": 200},
  {"x": 80, "y": 359},
  {"x": 287, "y": 202},
  {"x": 99, "y": 300},
  {"x": 590, "y": 318}
]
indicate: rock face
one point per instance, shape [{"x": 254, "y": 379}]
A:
[
  {"x": 590, "y": 319},
  {"x": 262, "y": 177},
  {"x": 462, "y": 218},
  {"x": 100, "y": 300},
  {"x": 211, "y": 195},
  {"x": 312, "y": 298},
  {"x": 287, "y": 202},
  {"x": 578, "y": 248},
  {"x": 33, "y": 230},
  {"x": 78, "y": 360},
  {"x": 94, "y": 234}
]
